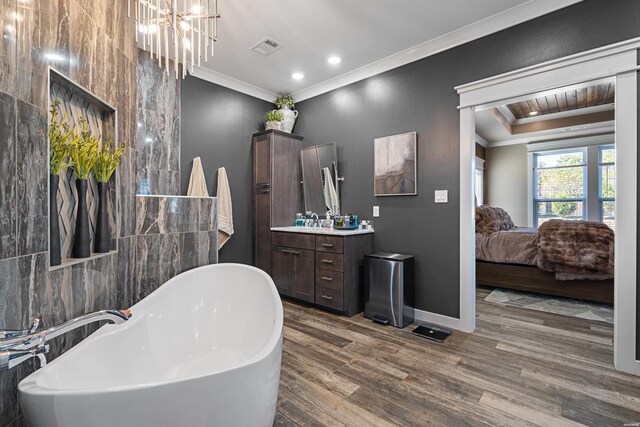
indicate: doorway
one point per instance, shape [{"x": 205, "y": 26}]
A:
[{"x": 618, "y": 62}]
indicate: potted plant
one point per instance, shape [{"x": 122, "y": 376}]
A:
[
  {"x": 83, "y": 151},
  {"x": 60, "y": 133},
  {"x": 273, "y": 120},
  {"x": 285, "y": 104},
  {"x": 109, "y": 156}
]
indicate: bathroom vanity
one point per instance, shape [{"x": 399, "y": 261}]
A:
[{"x": 321, "y": 266}]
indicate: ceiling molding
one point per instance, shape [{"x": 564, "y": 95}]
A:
[
  {"x": 508, "y": 18},
  {"x": 602, "y": 128},
  {"x": 565, "y": 114},
  {"x": 231, "y": 83},
  {"x": 570, "y": 122},
  {"x": 608, "y": 138},
  {"x": 480, "y": 140},
  {"x": 506, "y": 112},
  {"x": 500, "y": 118}
]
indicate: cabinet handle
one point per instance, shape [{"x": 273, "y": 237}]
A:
[
  {"x": 329, "y": 297},
  {"x": 266, "y": 185},
  {"x": 265, "y": 191},
  {"x": 328, "y": 279},
  {"x": 327, "y": 245},
  {"x": 327, "y": 261},
  {"x": 295, "y": 252},
  {"x": 285, "y": 251}
]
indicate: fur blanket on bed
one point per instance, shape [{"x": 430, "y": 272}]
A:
[
  {"x": 490, "y": 219},
  {"x": 575, "y": 246}
]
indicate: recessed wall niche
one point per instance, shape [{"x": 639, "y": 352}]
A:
[{"x": 77, "y": 102}]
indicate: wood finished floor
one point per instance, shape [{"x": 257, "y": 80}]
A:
[{"x": 519, "y": 368}]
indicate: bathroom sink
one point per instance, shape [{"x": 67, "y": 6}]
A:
[{"x": 320, "y": 230}]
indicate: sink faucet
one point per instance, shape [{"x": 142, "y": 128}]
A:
[
  {"x": 19, "y": 346},
  {"x": 314, "y": 217}
]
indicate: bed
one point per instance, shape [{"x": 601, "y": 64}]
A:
[{"x": 571, "y": 259}]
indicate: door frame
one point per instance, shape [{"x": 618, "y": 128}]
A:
[{"x": 619, "y": 61}]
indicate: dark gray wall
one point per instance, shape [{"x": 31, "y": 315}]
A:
[
  {"x": 417, "y": 97},
  {"x": 217, "y": 124},
  {"x": 420, "y": 97}
]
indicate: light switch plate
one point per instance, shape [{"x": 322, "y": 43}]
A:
[
  {"x": 441, "y": 196},
  {"x": 376, "y": 211}
]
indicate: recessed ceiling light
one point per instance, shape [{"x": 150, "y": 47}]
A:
[
  {"x": 534, "y": 113},
  {"x": 334, "y": 60},
  {"x": 297, "y": 76}
]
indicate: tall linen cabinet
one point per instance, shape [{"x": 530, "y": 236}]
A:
[{"x": 277, "y": 192}]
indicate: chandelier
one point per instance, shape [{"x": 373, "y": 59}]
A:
[{"x": 183, "y": 28}]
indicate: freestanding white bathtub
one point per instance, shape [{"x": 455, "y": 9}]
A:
[{"x": 202, "y": 350}]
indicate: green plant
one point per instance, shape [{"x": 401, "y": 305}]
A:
[
  {"x": 273, "y": 116},
  {"x": 83, "y": 151},
  {"x": 109, "y": 156},
  {"x": 60, "y": 134},
  {"x": 285, "y": 101}
]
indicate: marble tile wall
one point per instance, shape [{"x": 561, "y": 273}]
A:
[
  {"x": 173, "y": 234},
  {"x": 92, "y": 42},
  {"x": 158, "y": 132}
]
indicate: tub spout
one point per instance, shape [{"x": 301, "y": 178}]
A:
[
  {"x": 18, "y": 346},
  {"x": 12, "y": 358}
]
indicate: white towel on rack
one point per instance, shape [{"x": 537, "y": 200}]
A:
[
  {"x": 330, "y": 195},
  {"x": 197, "y": 182},
  {"x": 225, "y": 210}
]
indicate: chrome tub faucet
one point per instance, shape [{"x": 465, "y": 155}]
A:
[{"x": 21, "y": 345}]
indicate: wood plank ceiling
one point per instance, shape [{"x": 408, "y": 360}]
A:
[{"x": 599, "y": 94}]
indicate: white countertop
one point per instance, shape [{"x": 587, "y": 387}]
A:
[{"x": 320, "y": 230}]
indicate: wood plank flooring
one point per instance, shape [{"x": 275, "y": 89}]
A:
[{"x": 519, "y": 368}]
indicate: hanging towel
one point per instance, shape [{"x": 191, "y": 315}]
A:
[
  {"x": 197, "y": 182},
  {"x": 330, "y": 195},
  {"x": 225, "y": 211}
]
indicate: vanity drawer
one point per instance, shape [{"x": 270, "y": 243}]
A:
[
  {"x": 293, "y": 240},
  {"x": 330, "y": 298},
  {"x": 329, "y": 261},
  {"x": 329, "y": 244},
  {"x": 329, "y": 279}
]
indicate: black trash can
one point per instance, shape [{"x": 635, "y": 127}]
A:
[{"x": 389, "y": 288}]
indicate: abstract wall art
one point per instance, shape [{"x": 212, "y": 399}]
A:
[{"x": 395, "y": 165}]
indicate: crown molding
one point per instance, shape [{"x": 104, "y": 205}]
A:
[
  {"x": 235, "y": 84},
  {"x": 564, "y": 114},
  {"x": 508, "y": 18},
  {"x": 480, "y": 140},
  {"x": 600, "y": 128},
  {"x": 586, "y": 141}
]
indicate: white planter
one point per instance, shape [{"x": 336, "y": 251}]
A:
[
  {"x": 289, "y": 120},
  {"x": 273, "y": 125}
]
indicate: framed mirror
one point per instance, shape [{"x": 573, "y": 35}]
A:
[{"x": 320, "y": 179}]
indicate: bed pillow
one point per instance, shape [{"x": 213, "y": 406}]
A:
[{"x": 490, "y": 219}]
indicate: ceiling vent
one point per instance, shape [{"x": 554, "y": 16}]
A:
[{"x": 267, "y": 46}]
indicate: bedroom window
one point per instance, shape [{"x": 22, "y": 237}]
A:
[
  {"x": 607, "y": 178},
  {"x": 559, "y": 178}
]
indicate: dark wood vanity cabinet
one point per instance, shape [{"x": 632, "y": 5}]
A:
[
  {"x": 292, "y": 263},
  {"x": 321, "y": 269},
  {"x": 277, "y": 194}
]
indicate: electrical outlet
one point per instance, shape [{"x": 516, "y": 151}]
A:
[
  {"x": 376, "y": 211},
  {"x": 441, "y": 196}
]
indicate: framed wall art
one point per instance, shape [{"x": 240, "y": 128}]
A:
[{"x": 395, "y": 165}]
